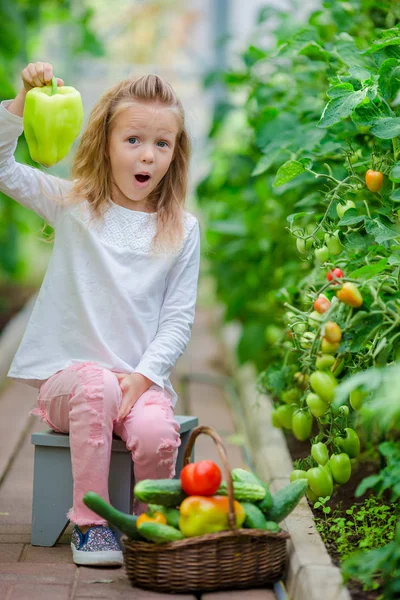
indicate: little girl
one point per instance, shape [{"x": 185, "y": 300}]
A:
[{"x": 117, "y": 303}]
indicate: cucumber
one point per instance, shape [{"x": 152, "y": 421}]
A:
[
  {"x": 250, "y": 492},
  {"x": 124, "y": 522},
  {"x": 255, "y": 519},
  {"x": 240, "y": 475},
  {"x": 171, "y": 514},
  {"x": 272, "y": 526},
  {"x": 244, "y": 476},
  {"x": 167, "y": 492},
  {"x": 159, "y": 533},
  {"x": 285, "y": 500}
]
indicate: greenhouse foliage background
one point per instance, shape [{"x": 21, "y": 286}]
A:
[{"x": 308, "y": 108}]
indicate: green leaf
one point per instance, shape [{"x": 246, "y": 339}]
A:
[
  {"x": 265, "y": 162},
  {"x": 389, "y": 78},
  {"x": 380, "y": 232},
  {"x": 341, "y": 107},
  {"x": 386, "y": 128},
  {"x": 315, "y": 52},
  {"x": 361, "y": 332},
  {"x": 296, "y": 216},
  {"x": 360, "y": 73},
  {"x": 389, "y": 37},
  {"x": 275, "y": 377},
  {"x": 366, "y": 483},
  {"x": 351, "y": 217},
  {"x": 342, "y": 89},
  {"x": 288, "y": 171},
  {"x": 395, "y": 173},
  {"x": 369, "y": 271},
  {"x": 395, "y": 196}
]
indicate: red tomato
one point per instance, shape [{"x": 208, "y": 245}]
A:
[
  {"x": 334, "y": 273},
  {"x": 321, "y": 304},
  {"x": 202, "y": 478}
]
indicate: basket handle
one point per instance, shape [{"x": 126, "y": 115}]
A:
[{"x": 224, "y": 457}]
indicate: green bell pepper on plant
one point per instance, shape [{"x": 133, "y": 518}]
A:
[
  {"x": 319, "y": 452},
  {"x": 323, "y": 383},
  {"x": 320, "y": 482},
  {"x": 302, "y": 424},
  {"x": 317, "y": 406},
  {"x": 53, "y": 118},
  {"x": 340, "y": 466},
  {"x": 350, "y": 443}
]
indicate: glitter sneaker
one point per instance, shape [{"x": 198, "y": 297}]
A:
[{"x": 98, "y": 546}]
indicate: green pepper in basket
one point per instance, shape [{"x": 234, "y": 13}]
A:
[
  {"x": 207, "y": 514},
  {"x": 53, "y": 118}
]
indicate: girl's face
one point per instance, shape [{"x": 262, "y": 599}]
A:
[{"x": 141, "y": 148}]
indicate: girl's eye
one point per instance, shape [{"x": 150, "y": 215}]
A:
[
  {"x": 132, "y": 138},
  {"x": 166, "y": 144}
]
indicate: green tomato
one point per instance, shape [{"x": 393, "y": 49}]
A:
[
  {"x": 329, "y": 348},
  {"x": 319, "y": 452},
  {"x": 314, "y": 319},
  {"x": 340, "y": 466},
  {"x": 356, "y": 399},
  {"x": 291, "y": 396},
  {"x": 302, "y": 424},
  {"x": 297, "y": 474},
  {"x": 344, "y": 410},
  {"x": 304, "y": 246},
  {"x": 320, "y": 482},
  {"x": 322, "y": 254},
  {"x": 275, "y": 419},
  {"x": 272, "y": 334},
  {"x": 307, "y": 339},
  {"x": 285, "y": 414},
  {"x": 299, "y": 328},
  {"x": 350, "y": 443},
  {"x": 325, "y": 362},
  {"x": 317, "y": 406},
  {"x": 334, "y": 245},
  {"x": 289, "y": 316},
  {"x": 323, "y": 383},
  {"x": 341, "y": 208}
]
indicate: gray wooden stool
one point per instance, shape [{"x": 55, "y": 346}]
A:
[{"x": 52, "y": 480}]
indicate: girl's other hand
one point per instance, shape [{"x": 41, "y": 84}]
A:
[{"x": 38, "y": 74}]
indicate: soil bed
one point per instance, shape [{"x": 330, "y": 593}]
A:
[{"x": 342, "y": 499}]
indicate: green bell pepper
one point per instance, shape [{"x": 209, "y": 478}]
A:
[{"x": 53, "y": 118}]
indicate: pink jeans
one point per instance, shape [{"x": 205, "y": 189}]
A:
[{"x": 83, "y": 400}]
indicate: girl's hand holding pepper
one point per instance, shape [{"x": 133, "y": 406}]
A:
[
  {"x": 132, "y": 385},
  {"x": 38, "y": 74}
]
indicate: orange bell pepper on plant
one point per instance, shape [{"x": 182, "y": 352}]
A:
[{"x": 207, "y": 514}]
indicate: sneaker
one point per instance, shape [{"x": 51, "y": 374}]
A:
[{"x": 98, "y": 546}]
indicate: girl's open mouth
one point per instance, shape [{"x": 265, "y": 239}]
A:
[{"x": 142, "y": 178}]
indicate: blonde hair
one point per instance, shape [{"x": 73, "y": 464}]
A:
[{"x": 91, "y": 169}]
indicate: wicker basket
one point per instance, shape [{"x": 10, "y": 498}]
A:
[{"x": 238, "y": 558}]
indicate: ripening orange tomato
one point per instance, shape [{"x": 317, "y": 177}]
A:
[{"x": 374, "y": 180}]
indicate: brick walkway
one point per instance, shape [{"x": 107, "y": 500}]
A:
[{"x": 35, "y": 573}]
